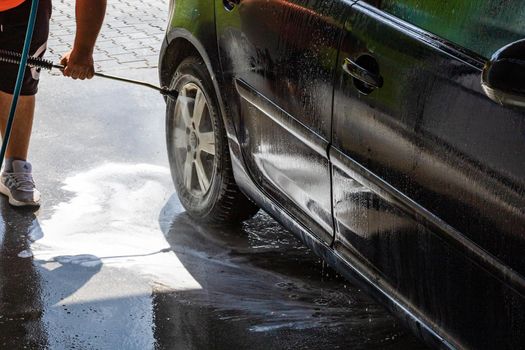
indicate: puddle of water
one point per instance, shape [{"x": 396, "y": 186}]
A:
[
  {"x": 112, "y": 219},
  {"x": 123, "y": 231},
  {"x": 100, "y": 252},
  {"x": 261, "y": 275}
]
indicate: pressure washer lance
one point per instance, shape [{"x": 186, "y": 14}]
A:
[{"x": 38, "y": 62}]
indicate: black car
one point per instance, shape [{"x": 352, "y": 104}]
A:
[{"x": 389, "y": 135}]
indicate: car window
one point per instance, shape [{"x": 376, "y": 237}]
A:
[{"x": 482, "y": 26}]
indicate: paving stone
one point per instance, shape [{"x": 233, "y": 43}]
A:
[
  {"x": 101, "y": 56},
  {"x": 58, "y": 49},
  {"x": 128, "y": 57},
  {"x": 146, "y": 51},
  {"x": 134, "y": 45},
  {"x": 106, "y": 45},
  {"x": 118, "y": 50},
  {"x": 130, "y": 38}
]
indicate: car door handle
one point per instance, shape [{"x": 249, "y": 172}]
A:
[
  {"x": 230, "y": 4},
  {"x": 356, "y": 71},
  {"x": 503, "y": 78}
]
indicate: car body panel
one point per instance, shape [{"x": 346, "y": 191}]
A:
[
  {"x": 480, "y": 26},
  {"x": 427, "y": 192},
  {"x": 432, "y": 138},
  {"x": 267, "y": 57}
]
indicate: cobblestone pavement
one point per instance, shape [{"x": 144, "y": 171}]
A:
[{"x": 131, "y": 36}]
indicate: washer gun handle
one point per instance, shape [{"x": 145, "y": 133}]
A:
[
  {"x": 163, "y": 90},
  {"x": 38, "y": 62}
]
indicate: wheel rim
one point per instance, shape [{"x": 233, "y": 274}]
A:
[{"x": 194, "y": 140}]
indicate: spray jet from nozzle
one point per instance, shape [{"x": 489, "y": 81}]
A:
[{"x": 38, "y": 62}]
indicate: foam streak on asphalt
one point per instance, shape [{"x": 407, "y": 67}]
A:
[{"x": 113, "y": 217}]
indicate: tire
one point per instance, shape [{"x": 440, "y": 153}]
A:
[{"x": 198, "y": 150}]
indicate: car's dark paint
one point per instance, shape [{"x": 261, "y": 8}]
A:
[
  {"x": 427, "y": 173},
  {"x": 287, "y": 138},
  {"x": 480, "y": 26},
  {"x": 432, "y": 135}
]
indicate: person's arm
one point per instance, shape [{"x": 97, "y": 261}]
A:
[{"x": 79, "y": 61}]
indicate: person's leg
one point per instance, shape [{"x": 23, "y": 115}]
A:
[
  {"x": 22, "y": 126},
  {"x": 16, "y": 180}
]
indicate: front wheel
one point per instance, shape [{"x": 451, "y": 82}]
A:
[{"x": 198, "y": 150}]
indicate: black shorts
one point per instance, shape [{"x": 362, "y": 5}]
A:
[{"x": 13, "y": 25}]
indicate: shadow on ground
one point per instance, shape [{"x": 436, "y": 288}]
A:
[{"x": 262, "y": 288}]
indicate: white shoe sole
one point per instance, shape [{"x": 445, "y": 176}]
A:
[{"x": 5, "y": 191}]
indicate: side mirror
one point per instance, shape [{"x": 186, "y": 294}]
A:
[{"x": 503, "y": 78}]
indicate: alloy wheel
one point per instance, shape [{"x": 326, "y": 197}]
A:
[{"x": 194, "y": 139}]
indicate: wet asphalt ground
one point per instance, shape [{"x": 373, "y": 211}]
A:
[{"x": 111, "y": 261}]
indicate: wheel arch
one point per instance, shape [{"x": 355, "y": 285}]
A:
[
  {"x": 175, "y": 49},
  {"x": 180, "y": 44}
]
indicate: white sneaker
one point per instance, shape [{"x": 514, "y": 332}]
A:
[{"x": 17, "y": 183}]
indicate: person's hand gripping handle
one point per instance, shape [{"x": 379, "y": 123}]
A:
[{"x": 78, "y": 63}]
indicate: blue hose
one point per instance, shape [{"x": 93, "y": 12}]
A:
[{"x": 19, "y": 79}]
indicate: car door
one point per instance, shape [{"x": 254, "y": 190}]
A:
[
  {"x": 279, "y": 57},
  {"x": 429, "y": 173}
]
